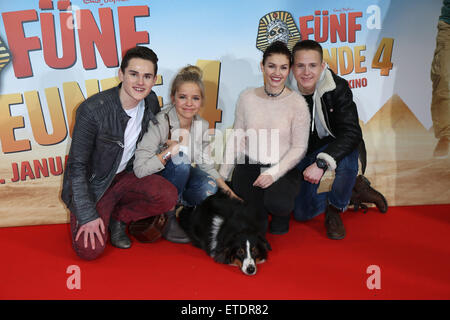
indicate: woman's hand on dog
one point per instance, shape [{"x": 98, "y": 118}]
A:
[
  {"x": 233, "y": 195},
  {"x": 263, "y": 181},
  {"x": 226, "y": 189}
]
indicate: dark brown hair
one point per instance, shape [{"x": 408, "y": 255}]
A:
[
  {"x": 277, "y": 47},
  {"x": 142, "y": 53}
]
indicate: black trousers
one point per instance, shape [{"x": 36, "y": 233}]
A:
[{"x": 278, "y": 199}]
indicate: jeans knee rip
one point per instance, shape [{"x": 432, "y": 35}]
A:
[{"x": 212, "y": 183}]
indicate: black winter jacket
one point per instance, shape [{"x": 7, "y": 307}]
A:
[
  {"x": 339, "y": 115},
  {"x": 96, "y": 150}
]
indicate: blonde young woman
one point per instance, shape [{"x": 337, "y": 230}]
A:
[{"x": 176, "y": 142}]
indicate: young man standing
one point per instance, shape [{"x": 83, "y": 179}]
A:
[
  {"x": 333, "y": 139},
  {"x": 99, "y": 187}
]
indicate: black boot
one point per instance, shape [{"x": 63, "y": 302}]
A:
[
  {"x": 279, "y": 225},
  {"x": 172, "y": 231},
  {"x": 363, "y": 193},
  {"x": 118, "y": 234},
  {"x": 333, "y": 223}
]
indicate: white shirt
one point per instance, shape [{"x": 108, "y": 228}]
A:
[{"x": 131, "y": 134}]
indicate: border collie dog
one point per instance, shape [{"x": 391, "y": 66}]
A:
[{"x": 229, "y": 230}]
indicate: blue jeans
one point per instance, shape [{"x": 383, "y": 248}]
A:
[
  {"x": 309, "y": 203},
  {"x": 193, "y": 184}
]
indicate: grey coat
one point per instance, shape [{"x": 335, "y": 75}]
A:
[{"x": 146, "y": 162}]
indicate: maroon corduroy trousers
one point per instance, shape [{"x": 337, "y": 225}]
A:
[{"x": 127, "y": 199}]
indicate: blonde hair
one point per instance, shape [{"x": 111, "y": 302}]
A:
[{"x": 188, "y": 74}]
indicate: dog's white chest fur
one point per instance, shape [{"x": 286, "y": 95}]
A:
[{"x": 215, "y": 228}]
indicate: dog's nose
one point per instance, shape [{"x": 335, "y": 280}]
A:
[{"x": 251, "y": 269}]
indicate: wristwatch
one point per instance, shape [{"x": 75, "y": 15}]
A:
[
  {"x": 167, "y": 156},
  {"x": 322, "y": 164}
]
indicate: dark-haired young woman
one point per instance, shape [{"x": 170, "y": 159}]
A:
[{"x": 270, "y": 136}]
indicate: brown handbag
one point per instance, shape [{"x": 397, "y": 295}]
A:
[{"x": 149, "y": 229}]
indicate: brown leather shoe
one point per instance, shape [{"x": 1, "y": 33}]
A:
[
  {"x": 363, "y": 193},
  {"x": 333, "y": 224},
  {"x": 148, "y": 230}
]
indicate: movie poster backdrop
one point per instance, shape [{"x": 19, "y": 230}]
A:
[{"x": 55, "y": 54}]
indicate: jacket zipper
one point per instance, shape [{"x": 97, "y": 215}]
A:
[
  {"x": 122, "y": 146},
  {"x": 325, "y": 116},
  {"x": 113, "y": 141}
]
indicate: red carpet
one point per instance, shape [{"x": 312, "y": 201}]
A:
[{"x": 409, "y": 244}]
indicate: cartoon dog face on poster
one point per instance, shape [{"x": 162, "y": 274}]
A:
[
  {"x": 277, "y": 26},
  {"x": 5, "y": 55}
]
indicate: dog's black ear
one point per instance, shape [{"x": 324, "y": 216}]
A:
[
  {"x": 222, "y": 255},
  {"x": 225, "y": 251}
]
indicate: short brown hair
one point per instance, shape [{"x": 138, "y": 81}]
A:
[{"x": 307, "y": 45}]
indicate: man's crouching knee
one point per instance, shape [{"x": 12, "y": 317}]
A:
[{"x": 88, "y": 253}]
